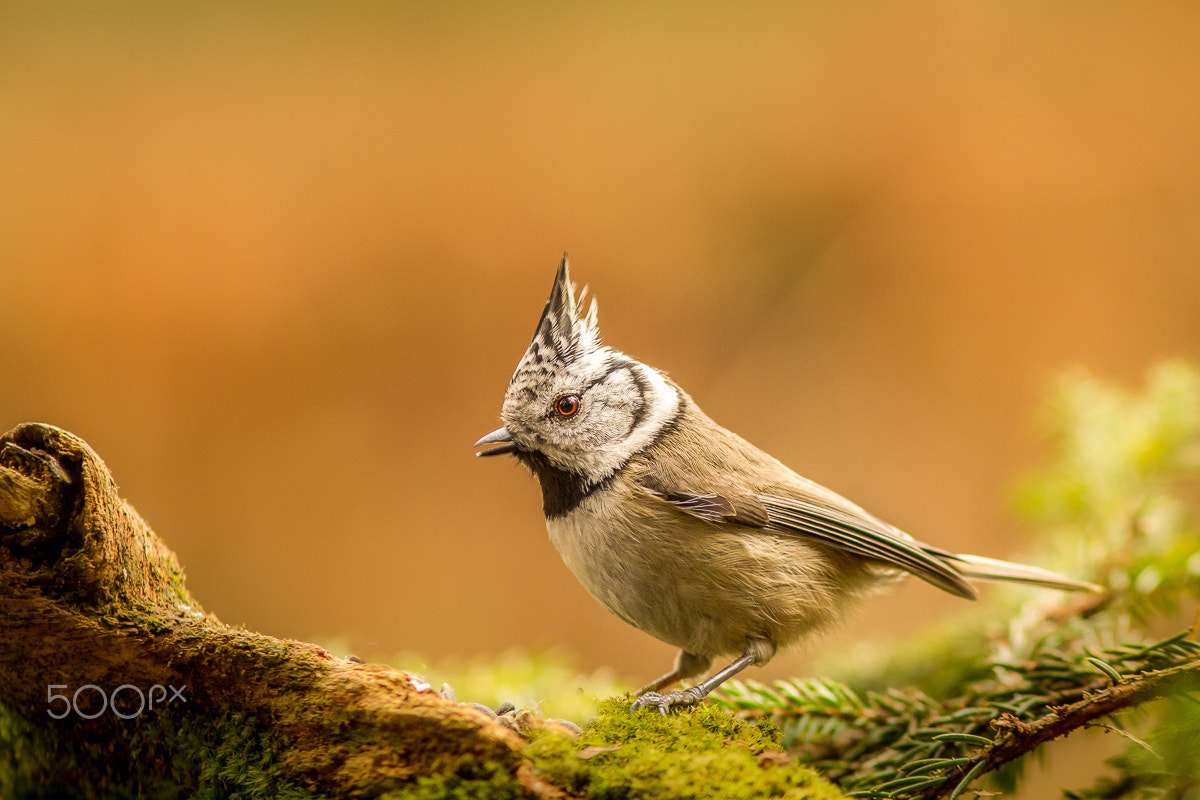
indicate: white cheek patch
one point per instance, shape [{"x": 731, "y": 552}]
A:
[{"x": 660, "y": 404}]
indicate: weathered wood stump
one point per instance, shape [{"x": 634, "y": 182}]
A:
[{"x": 112, "y": 678}]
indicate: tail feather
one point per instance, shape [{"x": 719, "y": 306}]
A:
[{"x": 991, "y": 569}]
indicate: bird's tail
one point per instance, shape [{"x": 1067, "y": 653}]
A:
[{"x": 991, "y": 569}]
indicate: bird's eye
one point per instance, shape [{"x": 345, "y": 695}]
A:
[{"x": 567, "y": 405}]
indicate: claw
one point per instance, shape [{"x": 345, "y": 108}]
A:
[
  {"x": 685, "y": 698},
  {"x": 688, "y": 698}
]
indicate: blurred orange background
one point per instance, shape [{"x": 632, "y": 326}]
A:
[{"x": 276, "y": 264}]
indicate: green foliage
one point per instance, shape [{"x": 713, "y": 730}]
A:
[
  {"x": 1166, "y": 766},
  {"x": 705, "y": 753},
  {"x": 1110, "y": 498},
  {"x": 881, "y": 742},
  {"x": 1109, "y": 509}
]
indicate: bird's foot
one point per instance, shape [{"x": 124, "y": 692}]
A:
[{"x": 684, "y": 698}]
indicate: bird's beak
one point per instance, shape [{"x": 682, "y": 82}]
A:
[{"x": 499, "y": 437}]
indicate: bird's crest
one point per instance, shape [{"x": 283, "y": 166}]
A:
[{"x": 563, "y": 335}]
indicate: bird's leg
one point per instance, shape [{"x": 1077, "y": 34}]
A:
[
  {"x": 686, "y": 665},
  {"x": 692, "y": 697}
]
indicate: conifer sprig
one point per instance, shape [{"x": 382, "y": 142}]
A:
[{"x": 1109, "y": 508}]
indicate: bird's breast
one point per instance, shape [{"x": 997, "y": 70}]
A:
[
  {"x": 700, "y": 586},
  {"x": 601, "y": 550}
]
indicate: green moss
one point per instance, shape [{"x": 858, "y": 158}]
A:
[
  {"x": 172, "y": 754},
  {"x": 480, "y": 782},
  {"x": 702, "y": 753}
]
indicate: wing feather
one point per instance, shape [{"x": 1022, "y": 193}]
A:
[
  {"x": 865, "y": 536},
  {"x": 835, "y": 527}
]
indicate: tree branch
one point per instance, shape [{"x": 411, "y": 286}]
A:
[
  {"x": 1016, "y": 738},
  {"x": 90, "y": 597}
]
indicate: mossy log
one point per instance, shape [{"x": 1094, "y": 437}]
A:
[{"x": 114, "y": 682}]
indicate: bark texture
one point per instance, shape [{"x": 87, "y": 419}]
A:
[{"x": 91, "y": 597}]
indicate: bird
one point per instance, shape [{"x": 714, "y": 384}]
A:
[{"x": 682, "y": 528}]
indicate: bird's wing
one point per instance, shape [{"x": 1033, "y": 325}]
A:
[
  {"x": 863, "y": 535},
  {"x": 717, "y": 506},
  {"x": 833, "y": 522}
]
